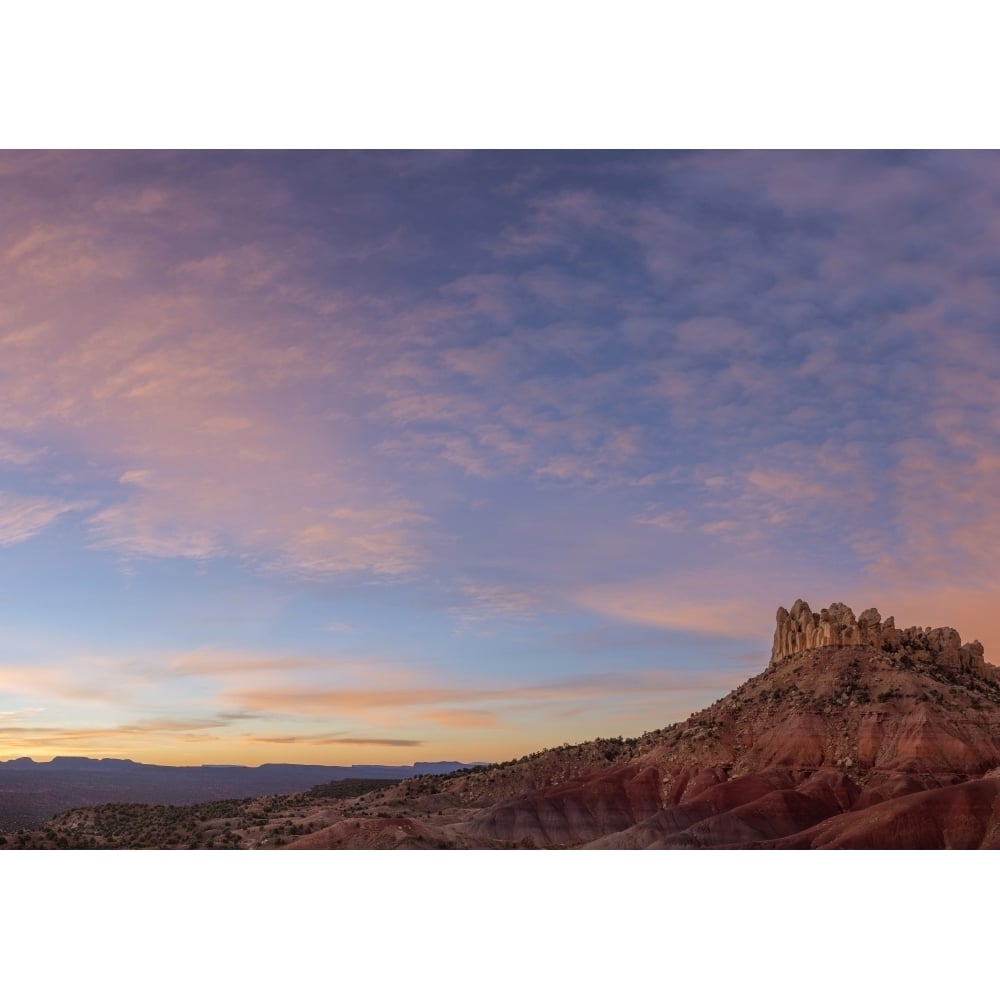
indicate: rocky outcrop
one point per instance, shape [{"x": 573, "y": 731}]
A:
[{"x": 801, "y": 629}]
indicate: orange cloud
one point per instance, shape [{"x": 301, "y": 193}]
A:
[
  {"x": 98, "y": 682},
  {"x": 684, "y": 607},
  {"x": 461, "y": 718},
  {"x": 126, "y": 737},
  {"x": 458, "y": 707},
  {"x": 324, "y": 701},
  {"x": 327, "y": 741},
  {"x": 227, "y": 664}
]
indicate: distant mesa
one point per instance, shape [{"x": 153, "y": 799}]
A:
[
  {"x": 801, "y": 630},
  {"x": 90, "y": 763},
  {"x": 20, "y": 763}
]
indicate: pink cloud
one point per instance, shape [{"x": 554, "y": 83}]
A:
[
  {"x": 22, "y": 518},
  {"x": 681, "y": 606},
  {"x": 715, "y": 335},
  {"x": 483, "y": 602},
  {"x": 666, "y": 520}
]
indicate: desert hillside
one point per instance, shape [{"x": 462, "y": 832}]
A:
[{"x": 857, "y": 734}]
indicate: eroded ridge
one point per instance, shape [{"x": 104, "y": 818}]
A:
[{"x": 802, "y": 629}]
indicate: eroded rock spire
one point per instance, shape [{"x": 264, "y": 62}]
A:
[{"x": 802, "y": 629}]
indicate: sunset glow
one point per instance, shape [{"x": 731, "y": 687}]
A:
[{"x": 385, "y": 457}]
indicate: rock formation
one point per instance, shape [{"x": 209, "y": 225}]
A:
[{"x": 801, "y": 629}]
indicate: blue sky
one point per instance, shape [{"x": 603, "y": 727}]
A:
[{"x": 344, "y": 457}]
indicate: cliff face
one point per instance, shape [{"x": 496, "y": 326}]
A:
[{"x": 800, "y": 630}]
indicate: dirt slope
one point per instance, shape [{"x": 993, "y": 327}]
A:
[{"x": 865, "y": 735}]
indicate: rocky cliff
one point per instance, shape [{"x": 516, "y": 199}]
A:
[{"x": 801, "y": 629}]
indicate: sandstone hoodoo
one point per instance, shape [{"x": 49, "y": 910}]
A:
[
  {"x": 800, "y": 630},
  {"x": 858, "y": 734}
]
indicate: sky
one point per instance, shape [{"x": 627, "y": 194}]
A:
[{"x": 382, "y": 457}]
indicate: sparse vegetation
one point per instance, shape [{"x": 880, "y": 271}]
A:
[{"x": 225, "y": 824}]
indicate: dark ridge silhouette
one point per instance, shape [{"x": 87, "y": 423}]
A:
[{"x": 31, "y": 792}]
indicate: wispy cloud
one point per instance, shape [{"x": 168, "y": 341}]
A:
[
  {"x": 322, "y": 740},
  {"x": 14, "y": 455},
  {"x": 465, "y": 707},
  {"x": 223, "y": 663},
  {"x": 664, "y": 519},
  {"x": 22, "y": 518},
  {"x": 461, "y": 718},
  {"x": 671, "y": 604},
  {"x": 483, "y": 602},
  {"x": 93, "y": 681},
  {"x": 93, "y": 739}
]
